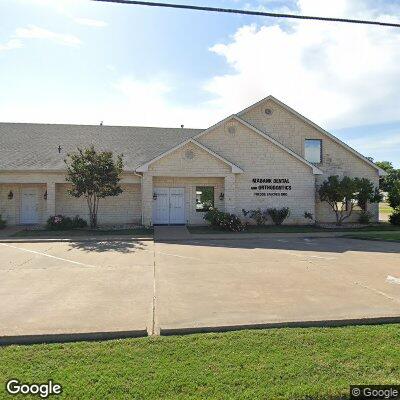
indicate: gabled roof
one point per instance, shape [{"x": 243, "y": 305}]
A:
[
  {"x": 318, "y": 128},
  {"x": 34, "y": 147},
  {"x": 235, "y": 169}
]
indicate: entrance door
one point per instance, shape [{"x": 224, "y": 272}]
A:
[
  {"x": 29, "y": 206},
  {"x": 169, "y": 207},
  {"x": 177, "y": 206}
]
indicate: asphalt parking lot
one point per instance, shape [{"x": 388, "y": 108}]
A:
[{"x": 54, "y": 288}]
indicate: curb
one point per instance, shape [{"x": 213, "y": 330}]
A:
[
  {"x": 274, "y": 325},
  {"x": 69, "y": 337},
  {"x": 77, "y": 239}
]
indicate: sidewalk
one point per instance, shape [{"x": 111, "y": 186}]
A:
[{"x": 167, "y": 234}]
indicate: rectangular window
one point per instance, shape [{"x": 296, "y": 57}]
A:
[
  {"x": 313, "y": 150},
  {"x": 204, "y": 198}
]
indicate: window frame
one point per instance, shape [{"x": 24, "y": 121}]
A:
[
  {"x": 213, "y": 200},
  {"x": 321, "y": 151}
]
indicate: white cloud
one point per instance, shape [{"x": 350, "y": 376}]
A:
[
  {"x": 35, "y": 32},
  {"x": 91, "y": 22},
  {"x": 336, "y": 74},
  {"x": 387, "y": 143},
  {"x": 11, "y": 44}
]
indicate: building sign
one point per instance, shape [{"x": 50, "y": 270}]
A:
[{"x": 265, "y": 187}]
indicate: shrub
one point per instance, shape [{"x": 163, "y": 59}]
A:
[
  {"x": 3, "y": 223},
  {"x": 365, "y": 217},
  {"x": 258, "y": 215},
  {"x": 79, "y": 223},
  {"x": 59, "y": 222},
  {"x": 223, "y": 220},
  {"x": 342, "y": 194},
  {"x": 394, "y": 218},
  {"x": 62, "y": 223},
  {"x": 309, "y": 216},
  {"x": 278, "y": 215}
]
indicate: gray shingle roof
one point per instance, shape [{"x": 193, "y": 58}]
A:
[{"x": 35, "y": 146}]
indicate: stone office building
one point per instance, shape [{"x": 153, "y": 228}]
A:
[{"x": 267, "y": 155}]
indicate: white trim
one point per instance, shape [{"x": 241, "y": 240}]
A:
[
  {"x": 381, "y": 172},
  {"x": 145, "y": 167}
]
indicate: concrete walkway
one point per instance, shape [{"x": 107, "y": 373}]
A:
[{"x": 165, "y": 233}]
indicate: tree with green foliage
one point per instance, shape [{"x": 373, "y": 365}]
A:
[
  {"x": 366, "y": 193},
  {"x": 386, "y": 182},
  {"x": 94, "y": 175},
  {"x": 394, "y": 196},
  {"x": 344, "y": 194}
]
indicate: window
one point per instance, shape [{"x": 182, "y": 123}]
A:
[
  {"x": 313, "y": 150},
  {"x": 204, "y": 198}
]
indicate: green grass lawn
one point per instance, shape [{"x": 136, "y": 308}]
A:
[
  {"x": 385, "y": 209},
  {"x": 389, "y": 236},
  {"x": 292, "y": 229},
  {"x": 266, "y": 364},
  {"x": 139, "y": 232}
]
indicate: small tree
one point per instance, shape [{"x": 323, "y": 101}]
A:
[
  {"x": 387, "y": 182},
  {"x": 94, "y": 175},
  {"x": 343, "y": 194},
  {"x": 394, "y": 196},
  {"x": 366, "y": 193}
]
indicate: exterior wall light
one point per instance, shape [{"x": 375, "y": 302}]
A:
[
  {"x": 221, "y": 196},
  {"x": 45, "y": 195},
  {"x": 154, "y": 196},
  {"x": 10, "y": 195}
]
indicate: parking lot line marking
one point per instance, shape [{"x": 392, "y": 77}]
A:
[
  {"x": 48, "y": 255},
  {"x": 177, "y": 255},
  {"x": 378, "y": 291},
  {"x": 392, "y": 279}
]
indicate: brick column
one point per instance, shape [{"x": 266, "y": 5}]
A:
[
  {"x": 147, "y": 199},
  {"x": 51, "y": 199},
  {"x": 230, "y": 193}
]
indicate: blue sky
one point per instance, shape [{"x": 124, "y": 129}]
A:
[{"x": 77, "y": 61}]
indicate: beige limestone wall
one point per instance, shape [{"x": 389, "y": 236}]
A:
[
  {"x": 11, "y": 209},
  {"x": 187, "y": 168},
  {"x": 261, "y": 159},
  {"x": 125, "y": 208},
  {"x": 190, "y": 160},
  {"x": 291, "y": 131}
]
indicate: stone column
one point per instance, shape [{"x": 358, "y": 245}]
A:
[
  {"x": 230, "y": 193},
  {"x": 147, "y": 199},
  {"x": 51, "y": 199}
]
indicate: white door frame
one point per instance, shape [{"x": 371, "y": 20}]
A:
[
  {"x": 33, "y": 215},
  {"x": 167, "y": 216}
]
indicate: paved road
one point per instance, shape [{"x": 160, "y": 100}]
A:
[{"x": 50, "y": 288}]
